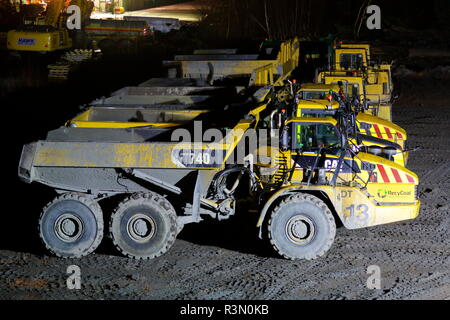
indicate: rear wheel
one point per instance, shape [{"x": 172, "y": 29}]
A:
[
  {"x": 144, "y": 226},
  {"x": 71, "y": 226},
  {"x": 301, "y": 227}
]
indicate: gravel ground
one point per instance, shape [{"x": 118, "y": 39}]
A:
[{"x": 226, "y": 261}]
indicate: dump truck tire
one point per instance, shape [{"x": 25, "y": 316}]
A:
[
  {"x": 71, "y": 226},
  {"x": 301, "y": 227},
  {"x": 144, "y": 226}
]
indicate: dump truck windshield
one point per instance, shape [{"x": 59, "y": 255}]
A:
[
  {"x": 314, "y": 95},
  {"x": 312, "y": 136},
  {"x": 350, "y": 61},
  {"x": 312, "y": 115},
  {"x": 318, "y": 95},
  {"x": 353, "y": 88}
]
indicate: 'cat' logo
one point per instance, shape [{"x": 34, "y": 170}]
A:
[{"x": 331, "y": 164}]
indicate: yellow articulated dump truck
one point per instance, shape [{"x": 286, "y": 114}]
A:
[{"x": 303, "y": 180}]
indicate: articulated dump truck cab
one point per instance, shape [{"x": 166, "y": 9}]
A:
[
  {"x": 356, "y": 57},
  {"x": 314, "y": 178},
  {"x": 367, "y": 123},
  {"x": 363, "y": 137},
  {"x": 358, "y": 87}
]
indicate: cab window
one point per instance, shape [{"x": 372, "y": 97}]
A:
[
  {"x": 314, "y": 95},
  {"x": 313, "y": 136},
  {"x": 311, "y": 115},
  {"x": 353, "y": 89},
  {"x": 351, "y": 61}
]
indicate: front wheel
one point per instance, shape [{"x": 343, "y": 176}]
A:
[{"x": 301, "y": 227}]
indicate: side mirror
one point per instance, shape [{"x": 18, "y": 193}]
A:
[{"x": 284, "y": 138}]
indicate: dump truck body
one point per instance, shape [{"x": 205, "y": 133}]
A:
[
  {"x": 132, "y": 117},
  {"x": 272, "y": 64}
]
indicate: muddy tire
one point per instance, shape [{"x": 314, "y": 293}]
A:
[
  {"x": 71, "y": 226},
  {"x": 301, "y": 227},
  {"x": 144, "y": 226}
]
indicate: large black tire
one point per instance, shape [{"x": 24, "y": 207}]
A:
[
  {"x": 144, "y": 226},
  {"x": 301, "y": 227},
  {"x": 71, "y": 226}
]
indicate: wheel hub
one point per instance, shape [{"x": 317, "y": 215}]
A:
[
  {"x": 68, "y": 227},
  {"x": 141, "y": 228},
  {"x": 300, "y": 229}
]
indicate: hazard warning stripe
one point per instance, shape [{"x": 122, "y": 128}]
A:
[
  {"x": 399, "y": 135},
  {"x": 397, "y": 177},
  {"x": 377, "y": 130},
  {"x": 410, "y": 179},
  {"x": 388, "y": 132},
  {"x": 383, "y": 173}
]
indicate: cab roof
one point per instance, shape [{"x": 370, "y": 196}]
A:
[
  {"x": 342, "y": 76},
  {"x": 317, "y": 104},
  {"x": 319, "y": 87},
  {"x": 347, "y": 45},
  {"x": 325, "y": 120}
]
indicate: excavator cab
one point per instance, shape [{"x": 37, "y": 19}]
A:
[{"x": 47, "y": 34}]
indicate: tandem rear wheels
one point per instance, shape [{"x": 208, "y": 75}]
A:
[
  {"x": 143, "y": 226},
  {"x": 301, "y": 227}
]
